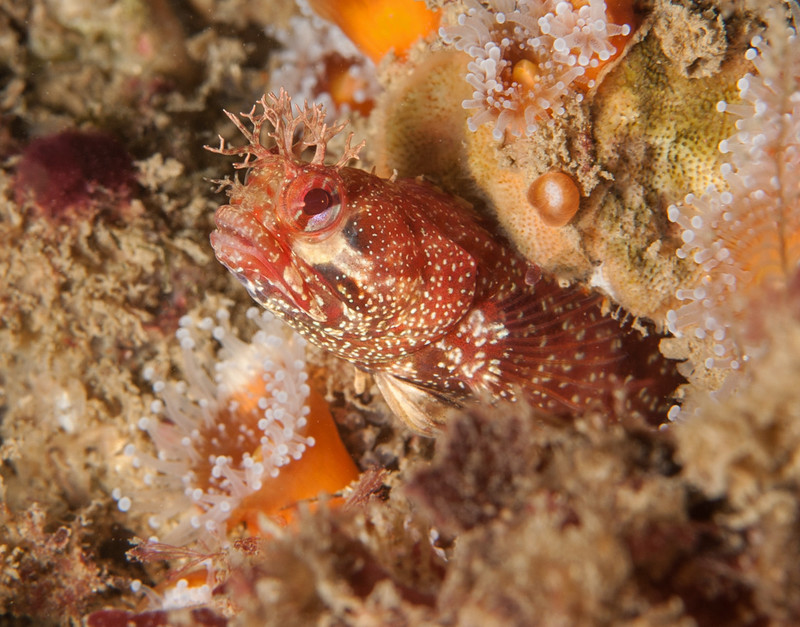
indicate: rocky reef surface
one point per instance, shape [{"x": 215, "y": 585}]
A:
[{"x": 674, "y": 128}]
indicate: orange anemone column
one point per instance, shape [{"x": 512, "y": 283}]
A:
[
  {"x": 378, "y": 26},
  {"x": 325, "y": 467}
]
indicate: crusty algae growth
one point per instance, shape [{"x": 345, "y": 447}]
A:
[
  {"x": 644, "y": 139},
  {"x": 657, "y": 132},
  {"x": 514, "y": 518}
]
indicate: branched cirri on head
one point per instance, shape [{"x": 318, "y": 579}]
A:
[{"x": 409, "y": 284}]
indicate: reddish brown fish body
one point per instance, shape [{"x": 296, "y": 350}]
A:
[{"x": 412, "y": 285}]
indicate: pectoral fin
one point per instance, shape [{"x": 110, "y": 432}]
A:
[{"x": 423, "y": 411}]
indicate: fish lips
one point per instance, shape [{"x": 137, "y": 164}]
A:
[{"x": 262, "y": 262}]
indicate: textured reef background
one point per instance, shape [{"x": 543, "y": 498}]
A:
[{"x": 681, "y": 135}]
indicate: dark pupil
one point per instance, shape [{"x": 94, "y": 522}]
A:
[{"x": 316, "y": 201}]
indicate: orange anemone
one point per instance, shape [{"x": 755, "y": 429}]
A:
[
  {"x": 325, "y": 467},
  {"x": 618, "y": 12},
  {"x": 556, "y": 197},
  {"x": 378, "y": 26}
]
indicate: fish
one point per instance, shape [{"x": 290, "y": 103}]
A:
[{"x": 414, "y": 286}]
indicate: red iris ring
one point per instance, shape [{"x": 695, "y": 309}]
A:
[{"x": 312, "y": 202}]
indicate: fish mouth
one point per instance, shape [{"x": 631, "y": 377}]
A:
[{"x": 261, "y": 262}]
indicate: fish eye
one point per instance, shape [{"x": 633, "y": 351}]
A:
[
  {"x": 316, "y": 201},
  {"x": 312, "y": 203}
]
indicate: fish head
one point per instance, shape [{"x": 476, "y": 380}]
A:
[
  {"x": 345, "y": 257},
  {"x": 260, "y": 233}
]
